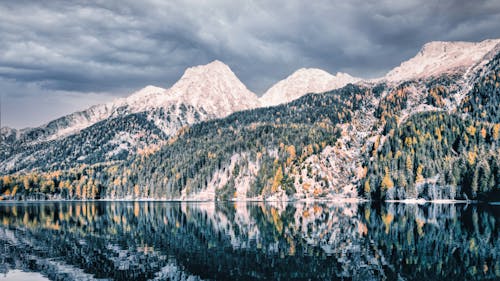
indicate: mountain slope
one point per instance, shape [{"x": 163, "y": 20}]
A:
[
  {"x": 201, "y": 162},
  {"x": 438, "y": 58},
  {"x": 203, "y": 92},
  {"x": 440, "y": 154},
  {"x": 304, "y": 81},
  {"x": 108, "y": 140},
  {"x": 433, "y": 137}
]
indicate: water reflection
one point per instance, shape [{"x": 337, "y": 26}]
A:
[{"x": 247, "y": 241}]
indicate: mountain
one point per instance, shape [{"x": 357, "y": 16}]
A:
[
  {"x": 213, "y": 87},
  {"x": 304, "y": 81},
  {"x": 203, "y": 92},
  {"x": 433, "y": 135},
  {"x": 438, "y": 58}
]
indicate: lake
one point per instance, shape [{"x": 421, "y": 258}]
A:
[{"x": 248, "y": 241}]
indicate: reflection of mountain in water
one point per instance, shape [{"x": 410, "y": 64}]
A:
[{"x": 249, "y": 241}]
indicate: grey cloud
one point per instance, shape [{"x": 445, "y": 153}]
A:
[{"x": 28, "y": 105}]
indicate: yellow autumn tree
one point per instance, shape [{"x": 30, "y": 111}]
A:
[
  {"x": 136, "y": 191},
  {"x": 78, "y": 191},
  {"x": 292, "y": 154},
  {"x": 310, "y": 149},
  {"x": 419, "y": 177},
  {"x": 409, "y": 164},
  {"x": 6, "y": 180},
  {"x": 471, "y": 130},
  {"x": 438, "y": 134},
  {"x": 471, "y": 157},
  {"x": 278, "y": 177},
  {"x": 367, "y": 187},
  {"x": 496, "y": 131},
  {"x": 387, "y": 182},
  {"x": 483, "y": 133},
  {"x": 14, "y": 190},
  {"x": 26, "y": 183}
]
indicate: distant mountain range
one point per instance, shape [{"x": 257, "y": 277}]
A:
[{"x": 428, "y": 129}]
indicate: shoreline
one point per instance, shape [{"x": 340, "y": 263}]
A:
[
  {"x": 437, "y": 201},
  {"x": 258, "y": 200}
]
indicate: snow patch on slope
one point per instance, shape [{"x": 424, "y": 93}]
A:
[{"x": 333, "y": 173}]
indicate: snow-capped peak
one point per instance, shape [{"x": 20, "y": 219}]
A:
[
  {"x": 140, "y": 100},
  {"x": 213, "y": 67},
  {"x": 304, "y": 81},
  {"x": 214, "y": 87},
  {"x": 150, "y": 89},
  {"x": 440, "y": 57}
]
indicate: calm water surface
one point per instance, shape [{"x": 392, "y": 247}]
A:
[{"x": 248, "y": 241}]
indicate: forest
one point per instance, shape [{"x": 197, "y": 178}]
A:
[{"x": 449, "y": 152}]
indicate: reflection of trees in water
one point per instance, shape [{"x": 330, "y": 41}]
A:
[
  {"x": 250, "y": 241},
  {"x": 438, "y": 241}
]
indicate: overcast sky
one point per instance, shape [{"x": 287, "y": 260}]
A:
[{"x": 60, "y": 56}]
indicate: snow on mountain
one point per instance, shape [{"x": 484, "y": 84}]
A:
[
  {"x": 9, "y": 135},
  {"x": 141, "y": 100},
  {"x": 216, "y": 91},
  {"x": 213, "y": 87},
  {"x": 144, "y": 99},
  {"x": 304, "y": 81},
  {"x": 439, "y": 57}
]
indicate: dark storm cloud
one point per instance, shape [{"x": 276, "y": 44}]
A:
[{"x": 113, "y": 47}]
